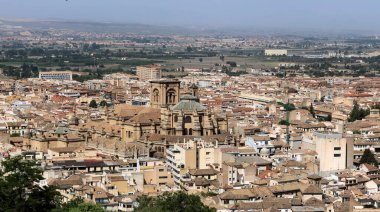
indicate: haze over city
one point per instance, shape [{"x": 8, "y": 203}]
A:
[{"x": 323, "y": 15}]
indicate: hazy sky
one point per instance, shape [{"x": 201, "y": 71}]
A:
[{"x": 290, "y": 14}]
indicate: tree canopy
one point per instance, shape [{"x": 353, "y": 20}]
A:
[
  {"x": 368, "y": 157},
  {"x": 93, "y": 104},
  {"x": 283, "y": 122},
  {"x": 289, "y": 107},
  {"x": 172, "y": 201},
  {"x": 358, "y": 113},
  {"x": 103, "y": 103},
  {"x": 18, "y": 190},
  {"x": 78, "y": 205}
]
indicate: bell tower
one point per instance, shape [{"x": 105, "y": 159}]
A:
[
  {"x": 194, "y": 90},
  {"x": 164, "y": 93}
]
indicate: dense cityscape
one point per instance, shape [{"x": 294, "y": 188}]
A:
[{"x": 128, "y": 117}]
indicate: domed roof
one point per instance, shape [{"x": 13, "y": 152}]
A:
[
  {"x": 189, "y": 103},
  {"x": 188, "y": 97}
]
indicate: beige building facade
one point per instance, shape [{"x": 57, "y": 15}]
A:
[
  {"x": 334, "y": 151},
  {"x": 146, "y": 73}
]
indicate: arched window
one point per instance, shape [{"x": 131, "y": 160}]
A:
[
  {"x": 156, "y": 94},
  {"x": 190, "y": 131},
  {"x": 187, "y": 119},
  {"x": 170, "y": 96}
]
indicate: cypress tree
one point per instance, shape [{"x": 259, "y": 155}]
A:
[{"x": 311, "y": 109}]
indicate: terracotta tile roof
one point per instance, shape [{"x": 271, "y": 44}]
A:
[
  {"x": 146, "y": 118},
  {"x": 201, "y": 181},
  {"x": 311, "y": 189},
  {"x": 202, "y": 172},
  {"x": 370, "y": 167}
]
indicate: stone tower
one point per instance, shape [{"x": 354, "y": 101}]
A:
[
  {"x": 194, "y": 90},
  {"x": 164, "y": 93}
]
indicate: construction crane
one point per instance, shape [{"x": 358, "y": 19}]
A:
[{"x": 288, "y": 107}]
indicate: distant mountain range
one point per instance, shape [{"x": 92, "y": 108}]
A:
[
  {"x": 145, "y": 29},
  {"x": 88, "y": 26}
]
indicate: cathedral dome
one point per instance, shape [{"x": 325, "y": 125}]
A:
[
  {"x": 189, "y": 97},
  {"x": 189, "y": 103}
]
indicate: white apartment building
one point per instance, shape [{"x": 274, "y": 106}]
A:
[
  {"x": 146, "y": 73},
  {"x": 275, "y": 52},
  {"x": 191, "y": 155},
  {"x": 56, "y": 75}
]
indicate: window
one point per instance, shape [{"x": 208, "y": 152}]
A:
[
  {"x": 336, "y": 155},
  {"x": 163, "y": 177},
  {"x": 187, "y": 119},
  {"x": 337, "y": 148},
  {"x": 161, "y": 170},
  {"x": 156, "y": 94},
  {"x": 170, "y": 96}
]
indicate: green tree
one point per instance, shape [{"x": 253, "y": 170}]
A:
[
  {"x": 289, "y": 107},
  {"x": 358, "y": 113},
  {"x": 329, "y": 117},
  {"x": 78, "y": 205},
  {"x": 354, "y": 114},
  {"x": 376, "y": 106},
  {"x": 189, "y": 49},
  {"x": 368, "y": 157},
  {"x": 93, "y": 104},
  {"x": 103, "y": 103},
  {"x": 172, "y": 201},
  {"x": 311, "y": 109},
  {"x": 86, "y": 207},
  {"x": 18, "y": 188}
]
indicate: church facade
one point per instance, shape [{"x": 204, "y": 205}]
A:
[{"x": 172, "y": 114}]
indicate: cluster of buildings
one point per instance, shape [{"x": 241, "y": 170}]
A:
[{"x": 230, "y": 140}]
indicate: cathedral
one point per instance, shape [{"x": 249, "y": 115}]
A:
[
  {"x": 172, "y": 114},
  {"x": 183, "y": 115},
  {"x": 170, "y": 118}
]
